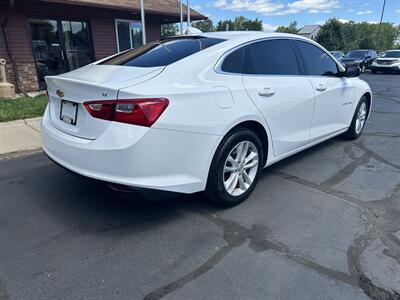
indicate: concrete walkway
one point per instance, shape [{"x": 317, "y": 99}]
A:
[{"x": 21, "y": 135}]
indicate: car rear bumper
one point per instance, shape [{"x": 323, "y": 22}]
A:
[{"x": 136, "y": 156}]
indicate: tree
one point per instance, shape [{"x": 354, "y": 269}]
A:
[
  {"x": 388, "y": 36},
  {"x": 292, "y": 28},
  {"x": 168, "y": 30},
  {"x": 351, "y": 37},
  {"x": 331, "y": 35},
  {"x": 366, "y": 43},
  {"x": 346, "y": 37},
  {"x": 204, "y": 25},
  {"x": 225, "y": 25},
  {"x": 240, "y": 23}
]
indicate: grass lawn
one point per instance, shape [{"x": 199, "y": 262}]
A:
[{"x": 22, "y": 108}]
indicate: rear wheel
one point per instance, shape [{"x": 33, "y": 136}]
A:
[
  {"x": 359, "y": 119},
  {"x": 235, "y": 168},
  {"x": 374, "y": 71}
]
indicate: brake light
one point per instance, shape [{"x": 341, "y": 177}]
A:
[{"x": 143, "y": 112}]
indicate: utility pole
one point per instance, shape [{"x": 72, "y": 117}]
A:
[
  {"x": 142, "y": 15},
  {"x": 181, "y": 10},
  {"x": 379, "y": 28},
  {"x": 188, "y": 14}
]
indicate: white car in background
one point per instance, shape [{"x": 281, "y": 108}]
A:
[
  {"x": 204, "y": 112},
  {"x": 388, "y": 62}
]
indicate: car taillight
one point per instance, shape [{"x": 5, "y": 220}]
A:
[{"x": 143, "y": 112}]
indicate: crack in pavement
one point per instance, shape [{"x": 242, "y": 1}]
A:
[
  {"x": 236, "y": 235},
  {"x": 356, "y": 162},
  {"x": 30, "y": 126},
  {"x": 381, "y": 222},
  {"x": 353, "y": 254},
  {"x": 348, "y": 170}
]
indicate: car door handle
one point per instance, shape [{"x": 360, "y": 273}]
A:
[
  {"x": 320, "y": 87},
  {"x": 266, "y": 92}
]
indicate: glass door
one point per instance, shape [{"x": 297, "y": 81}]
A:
[
  {"x": 59, "y": 46},
  {"x": 47, "y": 49},
  {"x": 129, "y": 34},
  {"x": 77, "y": 44}
]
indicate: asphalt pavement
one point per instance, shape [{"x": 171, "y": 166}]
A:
[{"x": 324, "y": 224}]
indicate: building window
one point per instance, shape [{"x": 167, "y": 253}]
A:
[
  {"x": 59, "y": 46},
  {"x": 129, "y": 34}
]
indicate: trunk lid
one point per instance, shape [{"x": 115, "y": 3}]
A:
[{"x": 67, "y": 93}]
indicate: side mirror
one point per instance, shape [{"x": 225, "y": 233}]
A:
[{"x": 352, "y": 72}]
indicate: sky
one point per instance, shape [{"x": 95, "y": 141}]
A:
[{"x": 306, "y": 12}]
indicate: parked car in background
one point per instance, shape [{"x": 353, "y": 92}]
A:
[
  {"x": 388, "y": 62},
  {"x": 338, "y": 55},
  {"x": 360, "y": 58},
  {"x": 143, "y": 118}
]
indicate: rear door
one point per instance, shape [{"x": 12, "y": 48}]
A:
[
  {"x": 334, "y": 94},
  {"x": 274, "y": 81}
]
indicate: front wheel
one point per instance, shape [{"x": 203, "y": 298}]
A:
[
  {"x": 358, "y": 121},
  {"x": 235, "y": 168},
  {"x": 374, "y": 71},
  {"x": 362, "y": 67}
]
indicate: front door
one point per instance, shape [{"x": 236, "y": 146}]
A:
[
  {"x": 59, "y": 46},
  {"x": 285, "y": 97},
  {"x": 334, "y": 94}
]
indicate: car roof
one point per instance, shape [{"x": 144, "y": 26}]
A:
[{"x": 244, "y": 36}]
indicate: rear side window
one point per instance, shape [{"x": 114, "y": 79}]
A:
[
  {"x": 315, "y": 60},
  {"x": 273, "y": 57},
  {"x": 233, "y": 63},
  {"x": 162, "y": 53}
]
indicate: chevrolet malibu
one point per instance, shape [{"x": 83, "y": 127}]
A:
[{"x": 204, "y": 112}]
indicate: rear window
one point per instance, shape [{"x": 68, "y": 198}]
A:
[{"x": 162, "y": 53}]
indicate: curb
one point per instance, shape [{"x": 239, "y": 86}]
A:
[
  {"x": 22, "y": 121},
  {"x": 20, "y": 136}
]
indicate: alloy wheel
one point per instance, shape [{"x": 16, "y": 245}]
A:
[
  {"x": 361, "y": 116},
  {"x": 240, "y": 168}
]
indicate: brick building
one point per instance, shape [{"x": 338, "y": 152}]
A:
[{"x": 47, "y": 37}]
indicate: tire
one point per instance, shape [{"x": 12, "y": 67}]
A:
[
  {"x": 354, "y": 132},
  {"x": 362, "y": 68},
  {"x": 219, "y": 175},
  {"x": 373, "y": 71}
]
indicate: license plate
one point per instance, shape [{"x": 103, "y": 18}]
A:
[{"x": 69, "y": 112}]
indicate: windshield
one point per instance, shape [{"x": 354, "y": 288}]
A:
[
  {"x": 357, "y": 54},
  {"x": 391, "y": 54},
  {"x": 337, "y": 54},
  {"x": 163, "y": 52}
]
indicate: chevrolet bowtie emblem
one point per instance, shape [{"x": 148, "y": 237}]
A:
[{"x": 60, "y": 93}]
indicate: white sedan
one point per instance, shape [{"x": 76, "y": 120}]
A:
[{"x": 202, "y": 112}]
